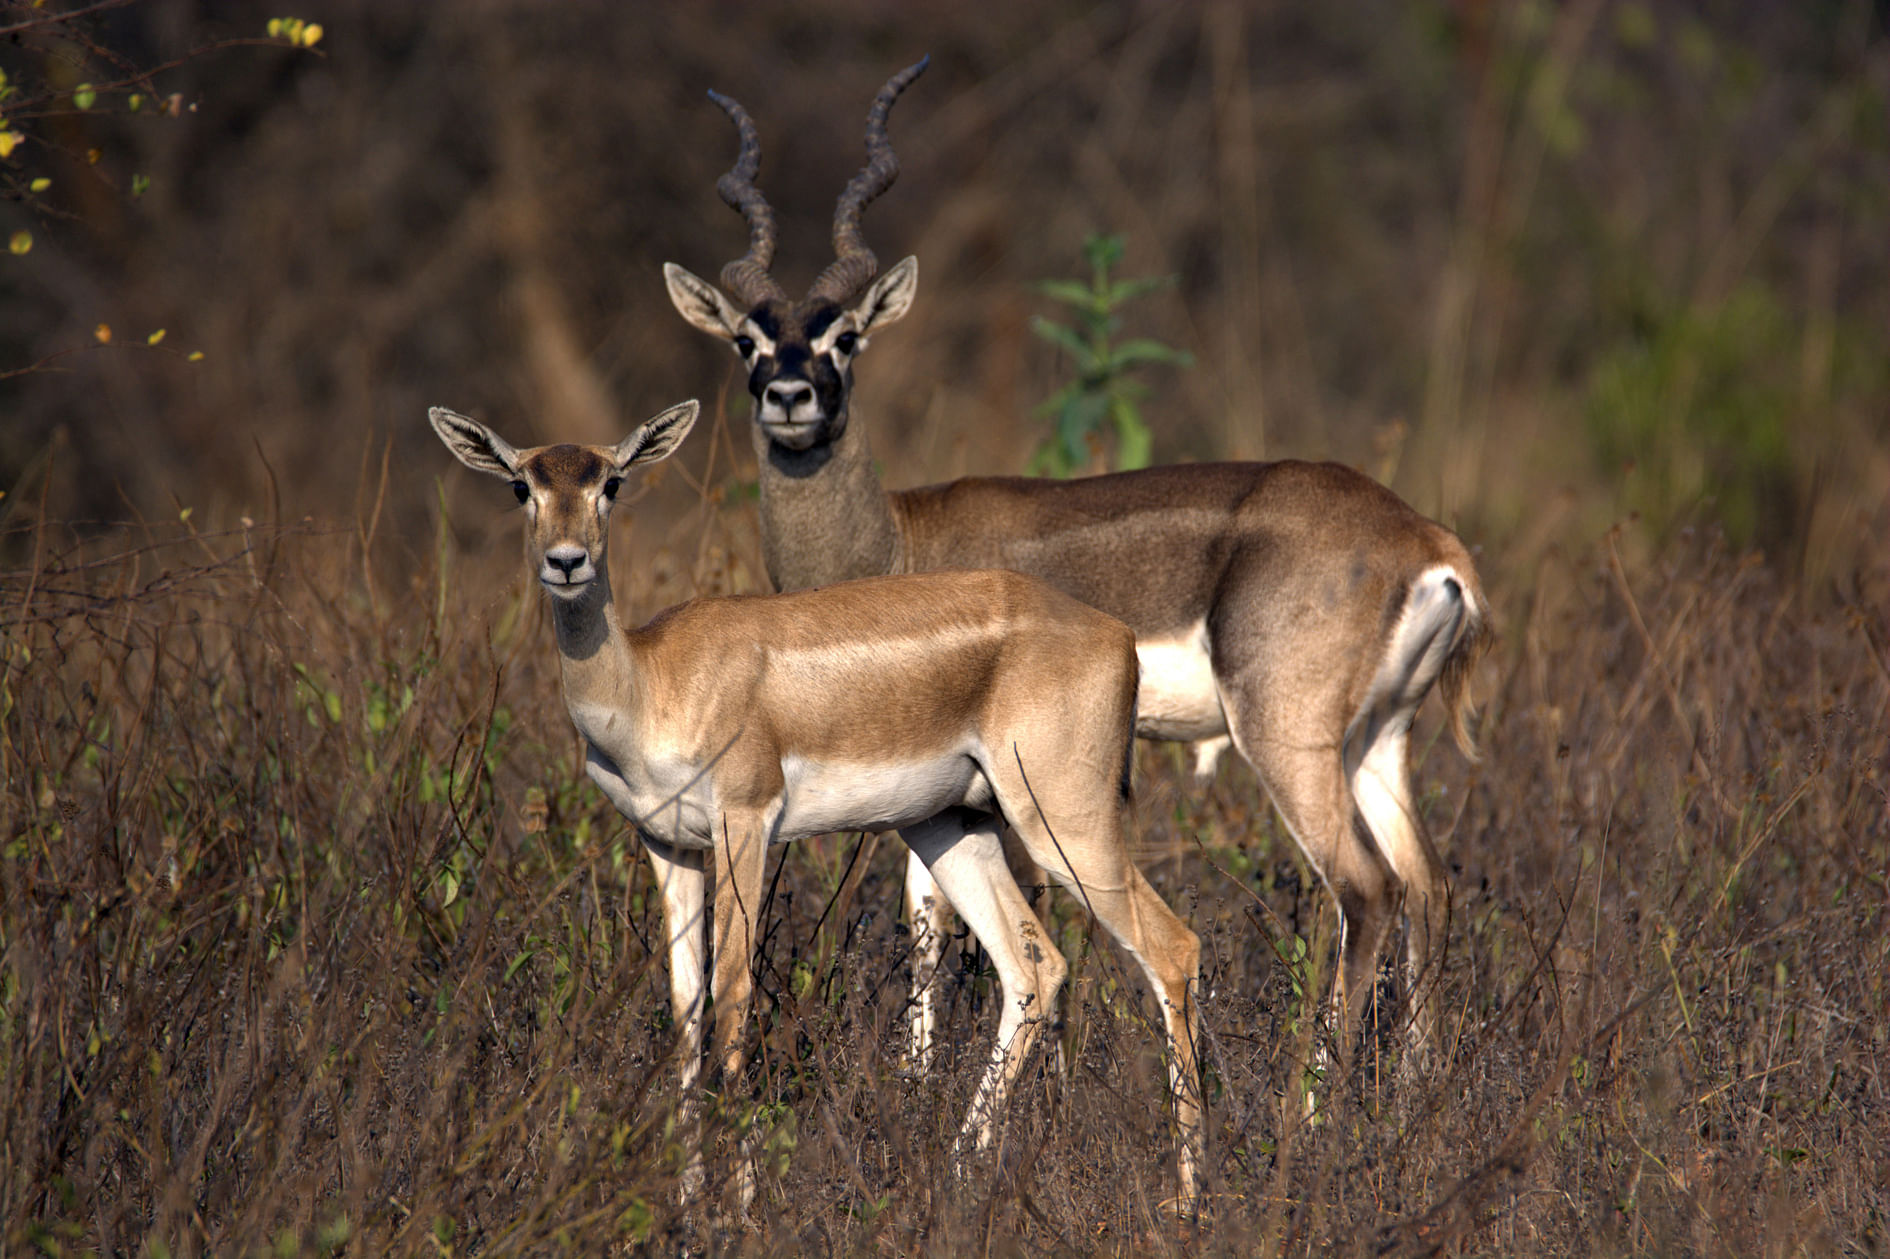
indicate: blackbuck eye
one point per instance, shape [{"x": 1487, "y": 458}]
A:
[
  {"x": 846, "y": 342},
  {"x": 610, "y": 487},
  {"x": 744, "y": 346},
  {"x": 521, "y": 489}
]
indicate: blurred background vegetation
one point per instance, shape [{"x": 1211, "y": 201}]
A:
[
  {"x": 1539, "y": 266},
  {"x": 313, "y": 935}
]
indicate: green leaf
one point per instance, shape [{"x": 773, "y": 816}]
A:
[
  {"x": 1066, "y": 339},
  {"x": 1081, "y": 416},
  {"x": 1103, "y": 252},
  {"x": 1128, "y": 290},
  {"x": 1053, "y": 405},
  {"x": 1142, "y": 350},
  {"x": 1132, "y": 436},
  {"x": 84, "y": 96},
  {"x": 1068, "y": 291}
]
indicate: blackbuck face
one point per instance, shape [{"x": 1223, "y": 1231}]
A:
[
  {"x": 800, "y": 354},
  {"x": 567, "y": 491}
]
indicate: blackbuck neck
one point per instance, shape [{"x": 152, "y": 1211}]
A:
[
  {"x": 594, "y": 656},
  {"x": 824, "y": 515}
]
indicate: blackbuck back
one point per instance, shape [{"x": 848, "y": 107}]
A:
[
  {"x": 1301, "y": 610},
  {"x": 944, "y": 705}
]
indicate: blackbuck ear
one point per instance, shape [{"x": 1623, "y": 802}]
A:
[
  {"x": 475, "y": 445},
  {"x": 888, "y": 298},
  {"x": 659, "y": 437},
  {"x": 701, "y": 303}
]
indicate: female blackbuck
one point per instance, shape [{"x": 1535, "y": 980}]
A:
[
  {"x": 943, "y": 705},
  {"x": 1300, "y": 608}
]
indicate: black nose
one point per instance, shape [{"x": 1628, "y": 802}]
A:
[
  {"x": 566, "y": 564},
  {"x": 788, "y": 393}
]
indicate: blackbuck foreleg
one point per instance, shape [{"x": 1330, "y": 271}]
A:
[
  {"x": 741, "y": 849},
  {"x": 930, "y": 916},
  {"x": 964, "y": 856},
  {"x": 681, "y": 879},
  {"x": 740, "y": 855}
]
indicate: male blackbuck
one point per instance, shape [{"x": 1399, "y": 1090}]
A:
[
  {"x": 1300, "y": 608},
  {"x": 943, "y": 705}
]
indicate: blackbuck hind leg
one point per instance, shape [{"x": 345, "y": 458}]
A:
[
  {"x": 1072, "y": 825},
  {"x": 680, "y": 878},
  {"x": 964, "y": 856},
  {"x": 1305, "y": 777},
  {"x": 1378, "y": 776},
  {"x": 1382, "y": 787}
]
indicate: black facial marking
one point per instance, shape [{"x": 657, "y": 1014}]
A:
[
  {"x": 766, "y": 320},
  {"x": 821, "y": 320}
]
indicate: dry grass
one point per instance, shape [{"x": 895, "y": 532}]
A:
[{"x": 314, "y": 941}]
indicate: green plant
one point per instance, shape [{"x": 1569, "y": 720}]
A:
[{"x": 1103, "y": 394}]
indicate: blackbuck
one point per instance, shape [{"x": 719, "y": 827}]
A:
[
  {"x": 942, "y": 705},
  {"x": 1300, "y": 609}
]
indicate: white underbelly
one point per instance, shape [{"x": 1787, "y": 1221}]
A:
[
  {"x": 833, "y": 796},
  {"x": 674, "y": 800},
  {"x": 1177, "y": 698}
]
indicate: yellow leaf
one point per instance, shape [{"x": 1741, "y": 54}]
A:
[
  {"x": 10, "y": 140},
  {"x": 104, "y": 333},
  {"x": 155, "y": 337},
  {"x": 41, "y": 184},
  {"x": 311, "y": 33},
  {"x": 92, "y": 156},
  {"x": 195, "y": 356},
  {"x": 184, "y": 515},
  {"x": 21, "y": 242}
]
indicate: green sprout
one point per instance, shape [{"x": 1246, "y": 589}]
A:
[{"x": 1102, "y": 395}]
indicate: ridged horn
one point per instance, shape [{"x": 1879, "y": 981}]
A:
[
  {"x": 854, "y": 264},
  {"x": 747, "y": 277}
]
